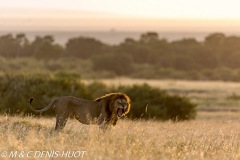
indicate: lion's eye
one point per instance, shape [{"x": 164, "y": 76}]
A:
[{"x": 119, "y": 103}]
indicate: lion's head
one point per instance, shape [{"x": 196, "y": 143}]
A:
[{"x": 118, "y": 103}]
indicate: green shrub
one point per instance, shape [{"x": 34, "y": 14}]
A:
[
  {"x": 179, "y": 108},
  {"x": 149, "y": 102},
  {"x": 146, "y": 101},
  {"x": 121, "y": 64},
  {"x": 97, "y": 89},
  {"x": 16, "y": 90}
]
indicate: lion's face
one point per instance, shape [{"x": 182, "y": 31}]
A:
[
  {"x": 117, "y": 104},
  {"x": 121, "y": 106}
]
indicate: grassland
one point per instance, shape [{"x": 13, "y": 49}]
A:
[
  {"x": 214, "y": 135},
  {"x": 213, "y": 139}
]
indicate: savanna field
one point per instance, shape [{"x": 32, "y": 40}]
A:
[
  {"x": 185, "y": 97},
  {"x": 179, "y": 63},
  {"x": 214, "y": 134}
]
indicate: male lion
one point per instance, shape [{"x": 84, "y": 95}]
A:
[{"x": 104, "y": 111}]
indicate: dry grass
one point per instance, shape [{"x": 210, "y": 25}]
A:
[
  {"x": 213, "y": 135},
  {"x": 217, "y": 138}
]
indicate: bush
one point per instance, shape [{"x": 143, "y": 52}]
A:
[
  {"x": 97, "y": 89},
  {"x": 179, "y": 108},
  {"x": 146, "y": 101},
  {"x": 149, "y": 102},
  {"x": 16, "y": 90},
  {"x": 120, "y": 64}
]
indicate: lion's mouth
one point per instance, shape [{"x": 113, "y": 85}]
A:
[{"x": 120, "y": 112}]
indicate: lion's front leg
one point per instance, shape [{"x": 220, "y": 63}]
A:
[
  {"x": 61, "y": 122},
  {"x": 104, "y": 123},
  {"x": 105, "y": 126}
]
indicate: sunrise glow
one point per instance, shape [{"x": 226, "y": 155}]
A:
[
  {"x": 121, "y": 14},
  {"x": 146, "y": 8}
]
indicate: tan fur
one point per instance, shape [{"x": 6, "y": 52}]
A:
[{"x": 103, "y": 111}]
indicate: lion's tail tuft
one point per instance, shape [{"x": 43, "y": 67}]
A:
[{"x": 30, "y": 100}]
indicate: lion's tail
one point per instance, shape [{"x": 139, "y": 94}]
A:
[{"x": 41, "y": 110}]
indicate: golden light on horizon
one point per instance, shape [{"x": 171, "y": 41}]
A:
[
  {"x": 123, "y": 15},
  {"x": 142, "y": 8}
]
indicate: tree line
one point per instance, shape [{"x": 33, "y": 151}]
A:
[{"x": 216, "y": 51}]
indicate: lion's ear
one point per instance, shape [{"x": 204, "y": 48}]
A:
[{"x": 98, "y": 99}]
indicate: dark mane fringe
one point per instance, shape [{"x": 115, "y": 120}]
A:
[{"x": 113, "y": 96}]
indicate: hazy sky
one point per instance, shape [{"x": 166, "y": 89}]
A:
[
  {"x": 129, "y": 15},
  {"x": 210, "y": 9}
]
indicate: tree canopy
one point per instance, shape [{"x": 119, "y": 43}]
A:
[{"x": 216, "y": 51}]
